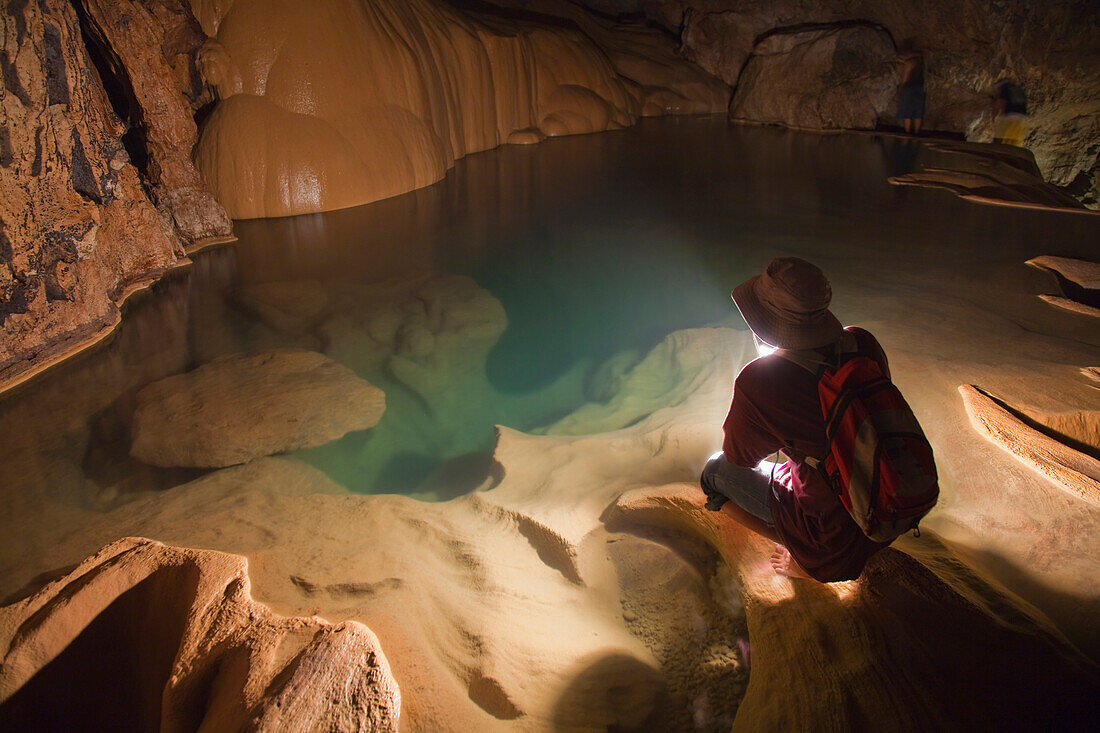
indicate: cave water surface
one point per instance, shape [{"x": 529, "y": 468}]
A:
[{"x": 529, "y": 280}]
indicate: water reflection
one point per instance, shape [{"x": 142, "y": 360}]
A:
[{"x": 498, "y": 294}]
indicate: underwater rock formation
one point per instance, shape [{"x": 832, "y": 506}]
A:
[
  {"x": 495, "y": 611},
  {"x": 78, "y": 231},
  {"x": 239, "y": 407},
  {"x": 142, "y": 636},
  {"x": 515, "y": 608},
  {"x": 332, "y": 104}
]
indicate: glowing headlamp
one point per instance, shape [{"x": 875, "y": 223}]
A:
[{"x": 762, "y": 348}]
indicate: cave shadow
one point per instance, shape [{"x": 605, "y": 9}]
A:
[
  {"x": 987, "y": 673},
  {"x": 1076, "y": 292},
  {"x": 112, "y": 675},
  {"x": 1080, "y": 447},
  {"x": 610, "y": 691},
  {"x": 36, "y": 584}
]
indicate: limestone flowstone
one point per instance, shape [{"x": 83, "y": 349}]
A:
[
  {"x": 1078, "y": 280},
  {"x": 331, "y": 104},
  {"x": 550, "y": 599},
  {"x": 1001, "y": 175},
  {"x": 824, "y": 655},
  {"x": 243, "y": 406}
]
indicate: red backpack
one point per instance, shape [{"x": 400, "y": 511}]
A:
[{"x": 876, "y": 458}]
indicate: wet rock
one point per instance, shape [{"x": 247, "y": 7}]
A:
[
  {"x": 1071, "y": 272},
  {"x": 305, "y": 100},
  {"x": 1066, "y": 461},
  {"x": 132, "y": 38},
  {"x": 998, "y": 174},
  {"x": 831, "y": 78},
  {"x": 1049, "y": 48},
  {"x": 239, "y": 407},
  {"x": 78, "y": 231},
  {"x": 186, "y": 646},
  {"x": 669, "y": 603}
]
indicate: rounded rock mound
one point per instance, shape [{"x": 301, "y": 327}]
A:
[{"x": 244, "y": 406}]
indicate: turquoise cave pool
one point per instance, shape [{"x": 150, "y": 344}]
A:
[{"x": 525, "y": 285}]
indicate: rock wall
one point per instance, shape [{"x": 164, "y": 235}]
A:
[
  {"x": 335, "y": 103},
  {"x": 99, "y": 196},
  {"x": 821, "y": 78},
  {"x": 1052, "y": 49}
]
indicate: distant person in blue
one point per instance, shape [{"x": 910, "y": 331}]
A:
[
  {"x": 1010, "y": 106},
  {"x": 911, "y": 93}
]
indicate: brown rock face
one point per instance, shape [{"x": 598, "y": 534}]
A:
[
  {"x": 134, "y": 39},
  {"x": 1052, "y": 49},
  {"x": 75, "y": 225},
  {"x": 829, "y": 78},
  {"x": 77, "y": 228},
  {"x": 142, "y": 636}
]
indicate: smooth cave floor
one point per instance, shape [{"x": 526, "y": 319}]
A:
[{"x": 552, "y": 329}]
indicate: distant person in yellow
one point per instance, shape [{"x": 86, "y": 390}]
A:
[{"x": 1010, "y": 104}]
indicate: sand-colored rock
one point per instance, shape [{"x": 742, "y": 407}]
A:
[
  {"x": 1080, "y": 272},
  {"x": 838, "y": 77},
  {"x": 143, "y": 636},
  {"x": 1078, "y": 281},
  {"x": 895, "y": 650},
  {"x": 77, "y": 231},
  {"x": 239, "y": 407},
  {"x": 1077, "y": 472},
  {"x": 990, "y": 174},
  {"x": 335, "y": 103},
  {"x": 1071, "y": 305},
  {"x": 512, "y": 608},
  {"x": 443, "y": 585}
]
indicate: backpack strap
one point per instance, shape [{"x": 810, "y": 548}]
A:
[{"x": 816, "y": 363}]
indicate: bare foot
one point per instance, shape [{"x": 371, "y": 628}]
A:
[{"x": 784, "y": 564}]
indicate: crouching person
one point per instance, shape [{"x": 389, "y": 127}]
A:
[{"x": 857, "y": 470}]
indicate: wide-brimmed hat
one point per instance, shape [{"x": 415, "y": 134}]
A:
[{"x": 788, "y": 305}]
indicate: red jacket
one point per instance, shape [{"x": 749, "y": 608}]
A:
[{"x": 776, "y": 407}]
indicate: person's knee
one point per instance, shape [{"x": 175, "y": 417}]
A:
[
  {"x": 711, "y": 482},
  {"x": 711, "y": 471}
]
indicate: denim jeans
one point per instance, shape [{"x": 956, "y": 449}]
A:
[{"x": 747, "y": 487}]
